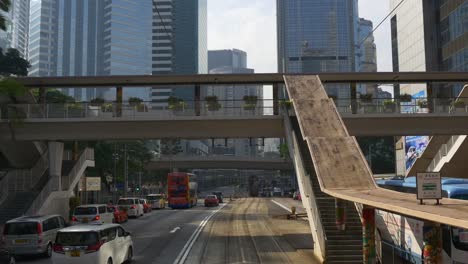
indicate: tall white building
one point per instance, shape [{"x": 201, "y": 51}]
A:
[
  {"x": 232, "y": 97},
  {"x": 16, "y": 35}
]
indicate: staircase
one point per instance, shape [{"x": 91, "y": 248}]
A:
[
  {"x": 17, "y": 203},
  {"x": 340, "y": 246}
]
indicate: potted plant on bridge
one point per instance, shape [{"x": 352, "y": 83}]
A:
[
  {"x": 389, "y": 106},
  {"x": 212, "y": 103},
  {"x": 137, "y": 103},
  {"x": 458, "y": 106},
  {"x": 365, "y": 103},
  {"x": 94, "y": 106},
  {"x": 406, "y": 98},
  {"x": 250, "y": 102},
  {"x": 75, "y": 110},
  {"x": 423, "y": 105},
  {"x": 175, "y": 104}
]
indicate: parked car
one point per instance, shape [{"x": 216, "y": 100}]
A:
[
  {"x": 32, "y": 235},
  {"x": 92, "y": 214},
  {"x": 146, "y": 206},
  {"x": 211, "y": 200},
  {"x": 6, "y": 257},
  {"x": 133, "y": 206},
  {"x": 99, "y": 244},
  {"x": 157, "y": 201},
  {"x": 120, "y": 215},
  {"x": 219, "y": 195}
]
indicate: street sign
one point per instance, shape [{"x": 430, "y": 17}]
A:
[
  {"x": 93, "y": 183},
  {"x": 429, "y": 186}
]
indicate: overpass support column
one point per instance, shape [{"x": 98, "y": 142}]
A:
[
  {"x": 368, "y": 235},
  {"x": 119, "y": 100},
  {"x": 353, "y": 93},
  {"x": 55, "y": 164}
]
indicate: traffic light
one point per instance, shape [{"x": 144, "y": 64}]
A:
[{"x": 137, "y": 188}]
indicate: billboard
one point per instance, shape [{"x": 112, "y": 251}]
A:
[{"x": 414, "y": 147}]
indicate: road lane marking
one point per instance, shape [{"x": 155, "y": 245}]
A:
[
  {"x": 174, "y": 230},
  {"x": 282, "y": 206},
  {"x": 188, "y": 246}
]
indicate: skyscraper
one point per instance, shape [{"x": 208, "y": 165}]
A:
[
  {"x": 91, "y": 37},
  {"x": 430, "y": 36},
  {"x": 179, "y": 44},
  {"x": 366, "y": 59},
  {"x": 16, "y": 35},
  {"x": 232, "y": 96},
  {"x": 317, "y": 36}
]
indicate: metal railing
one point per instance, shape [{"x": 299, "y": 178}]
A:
[
  {"x": 51, "y": 185},
  {"x": 293, "y": 148},
  {"x": 455, "y": 105},
  {"x": 113, "y": 110},
  {"x": 25, "y": 179},
  {"x": 164, "y": 110}
]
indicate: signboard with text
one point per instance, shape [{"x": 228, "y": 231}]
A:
[
  {"x": 429, "y": 186},
  {"x": 93, "y": 183}
]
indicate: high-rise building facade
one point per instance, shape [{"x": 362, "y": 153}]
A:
[
  {"x": 232, "y": 97},
  {"x": 179, "y": 44},
  {"x": 366, "y": 51},
  {"x": 91, "y": 37},
  {"x": 317, "y": 36},
  {"x": 16, "y": 35},
  {"x": 430, "y": 36}
]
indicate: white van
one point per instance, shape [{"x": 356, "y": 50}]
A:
[
  {"x": 92, "y": 214},
  {"x": 132, "y": 205}
]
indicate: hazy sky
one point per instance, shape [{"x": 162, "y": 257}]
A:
[{"x": 250, "y": 25}]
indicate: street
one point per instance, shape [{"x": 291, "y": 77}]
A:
[{"x": 240, "y": 231}]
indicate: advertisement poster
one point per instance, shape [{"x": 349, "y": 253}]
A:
[{"x": 414, "y": 147}]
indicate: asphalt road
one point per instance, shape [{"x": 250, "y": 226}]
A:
[{"x": 234, "y": 232}]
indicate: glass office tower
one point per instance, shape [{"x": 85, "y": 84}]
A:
[
  {"x": 16, "y": 35},
  {"x": 317, "y": 36}
]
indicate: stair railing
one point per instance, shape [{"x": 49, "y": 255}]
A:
[
  {"x": 293, "y": 148},
  {"x": 87, "y": 154}
]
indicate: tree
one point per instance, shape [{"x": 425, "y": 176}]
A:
[
  {"x": 4, "y": 6},
  {"x": 11, "y": 63}
]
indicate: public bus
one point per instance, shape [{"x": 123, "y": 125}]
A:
[
  {"x": 406, "y": 234},
  {"x": 181, "y": 190}
]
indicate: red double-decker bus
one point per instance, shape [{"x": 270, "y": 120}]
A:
[{"x": 181, "y": 190}]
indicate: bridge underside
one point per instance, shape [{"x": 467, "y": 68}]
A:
[{"x": 246, "y": 164}]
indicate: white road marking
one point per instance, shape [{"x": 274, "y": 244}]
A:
[
  {"x": 188, "y": 246},
  {"x": 282, "y": 206},
  {"x": 174, "y": 230}
]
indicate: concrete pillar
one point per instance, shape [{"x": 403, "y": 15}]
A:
[
  {"x": 432, "y": 243},
  {"x": 353, "y": 93},
  {"x": 368, "y": 235},
  {"x": 275, "y": 99},
  {"x": 119, "y": 99},
  {"x": 197, "y": 100},
  {"x": 340, "y": 213},
  {"x": 55, "y": 164}
]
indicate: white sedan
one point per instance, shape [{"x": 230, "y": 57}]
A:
[{"x": 100, "y": 244}]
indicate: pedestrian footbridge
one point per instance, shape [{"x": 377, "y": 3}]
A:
[{"x": 330, "y": 164}]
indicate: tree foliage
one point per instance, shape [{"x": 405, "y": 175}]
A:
[
  {"x": 54, "y": 96},
  {"x": 11, "y": 63},
  {"x": 382, "y": 153},
  {"x": 170, "y": 146}
]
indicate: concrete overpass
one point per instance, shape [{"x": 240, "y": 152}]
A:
[
  {"x": 156, "y": 124},
  {"x": 220, "y": 162}
]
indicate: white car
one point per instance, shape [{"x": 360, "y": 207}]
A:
[
  {"x": 132, "y": 205},
  {"x": 92, "y": 214},
  {"x": 98, "y": 244}
]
